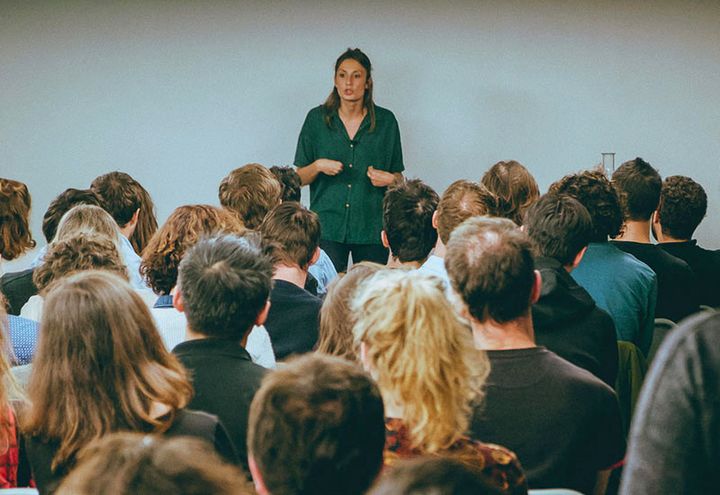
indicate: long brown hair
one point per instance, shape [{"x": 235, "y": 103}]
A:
[
  {"x": 332, "y": 103},
  {"x": 100, "y": 366},
  {"x": 147, "y": 223},
  {"x": 15, "y": 235}
]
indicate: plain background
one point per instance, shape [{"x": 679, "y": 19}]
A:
[{"x": 179, "y": 93}]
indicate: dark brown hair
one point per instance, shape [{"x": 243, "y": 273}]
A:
[
  {"x": 250, "y": 192},
  {"x": 332, "y": 103},
  {"x": 119, "y": 194},
  {"x": 65, "y": 201},
  {"x": 147, "y": 221},
  {"x": 291, "y": 234},
  {"x": 683, "y": 205},
  {"x": 461, "y": 200},
  {"x": 15, "y": 235},
  {"x": 183, "y": 228},
  {"x": 638, "y": 186},
  {"x": 514, "y": 187}
]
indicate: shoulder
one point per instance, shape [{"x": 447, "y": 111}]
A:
[
  {"x": 382, "y": 114},
  {"x": 194, "y": 423},
  {"x": 315, "y": 115},
  {"x": 574, "y": 378}
]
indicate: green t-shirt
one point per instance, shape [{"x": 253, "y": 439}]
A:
[{"x": 349, "y": 206}]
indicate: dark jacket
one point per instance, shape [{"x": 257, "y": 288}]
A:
[
  {"x": 568, "y": 322},
  {"x": 17, "y": 287}
]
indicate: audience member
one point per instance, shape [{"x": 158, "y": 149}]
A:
[
  {"x": 618, "y": 282},
  {"x": 514, "y": 188},
  {"x": 15, "y": 234},
  {"x": 250, "y": 192},
  {"x": 563, "y": 422},
  {"x": 316, "y": 427},
  {"x": 101, "y": 367},
  {"x": 461, "y": 200},
  {"x": 336, "y": 316},
  {"x": 638, "y": 186},
  {"x": 147, "y": 223},
  {"x": 435, "y": 476},
  {"x": 408, "y": 232},
  {"x": 121, "y": 197},
  {"x": 676, "y": 427},
  {"x": 223, "y": 289},
  {"x": 291, "y": 234},
  {"x": 683, "y": 204},
  {"x": 421, "y": 355},
  {"x": 322, "y": 271},
  {"x": 566, "y": 320},
  {"x": 136, "y": 464},
  {"x": 65, "y": 257}
]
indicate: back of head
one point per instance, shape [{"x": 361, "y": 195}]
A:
[
  {"x": 421, "y": 354},
  {"x": 597, "y": 194},
  {"x": 490, "y": 265},
  {"x": 683, "y": 205},
  {"x": 86, "y": 219},
  {"x": 183, "y": 228},
  {"x": 638, "y": 186},
  {"x": 408, "y": 209},
  {"x": 225, "y": 283},
  {"x": 100, "y": 366},
  {"x": 317, "y": 427},
  {"x": 75, "y": 254},
  {"x": 461, "y": 200},
  {"x": 250, "y": 192},
  {"x": 559, "y": 227},
  {"x": 291, "y": 234},
  {"x": 336, "y": 316},
  {"x": 15, "y": 235},
  {"x": 136, "y": 464},
  {"x": 514, "y": 187},
  {"x": 289, "y": 181},
  {"x": 65, "y": 201},
  {"x": 435, "y": 476},
  {"x": 120, "y": 195}
]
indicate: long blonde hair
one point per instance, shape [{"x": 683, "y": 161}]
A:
[
  {"x": 100, "y": 366},
  {"x": 421, "y": 354},
  {"x": 8, "y": 385}
]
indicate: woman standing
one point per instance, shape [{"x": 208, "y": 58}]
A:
[{"x": 349, "y": 152}]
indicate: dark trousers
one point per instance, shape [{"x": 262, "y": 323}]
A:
[{"x": 339, "y": 251}]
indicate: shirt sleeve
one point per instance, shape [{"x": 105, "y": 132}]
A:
[
  {"x": 396, "y": 164},
  {"x": 304, "y": 154}
]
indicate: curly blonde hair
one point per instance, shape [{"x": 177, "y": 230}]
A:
[{"x": 421, "y": 353}]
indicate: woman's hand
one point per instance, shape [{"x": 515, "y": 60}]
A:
[
  {"x": 380, "y": 178},
  {"x": 328, "y": 167}
]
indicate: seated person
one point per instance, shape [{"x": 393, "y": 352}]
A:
[
  {"x": 514, "y": 188},
  {"x": 421, "y": 355},
  {"x": 565, "y": 318},
  {"x": 23, "y": 337},
  {"x": 461, "y": 200},
  {"x": 638, "y": 186},
  {"x": 250, "y": 192},
  {"x": 618, "y": 282},
  {"x": 683, "y": 205},
  {"x": 15, "y": 235},
  {"x": 136, "y": 464},
  {"x": 291, "y": 235},
  {"x": 223, "y": 288},
  {"x": 563, "y": 422},
  {"x": 316, "y": 426},
  {"x": 159, "y": 266},
  {"x": 408, "y": 232}
]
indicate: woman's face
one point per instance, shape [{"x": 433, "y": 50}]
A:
[{"x": 351, "y": 81}]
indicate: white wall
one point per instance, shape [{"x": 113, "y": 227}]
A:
[{"x": 178, "y": 93}]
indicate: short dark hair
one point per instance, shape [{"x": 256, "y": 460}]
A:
[
  {"x": 514, "y": 187},
  {"x": 317, "y": 427},
  {"x": 119, "y": 194},
  {"x": 63, "y": 203},
  {"x": 559, "y": 227},
  {"x": 593, "y": 189},
  {"x": 638, "y": 186},
  {"x": 291, "y": 234},
  {"x": 683, "y": 205},
  {"x": 461, "y": 200},
  {"x": 289, "y": 181},
  {"x": 490, "y": 264},
  {"x": 408, "y": 208},
  {"x": 435, "y": 475},
  {"x": 250, "y": 192},
  {"x": 224, "y": 282}
]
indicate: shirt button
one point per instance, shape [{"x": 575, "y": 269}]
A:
[
  {"x": 352, "y": 145},
  {"x": 350, "y": 165},
  {"x": 347, "y": 205},
  {"x": 349, "y": 186}
]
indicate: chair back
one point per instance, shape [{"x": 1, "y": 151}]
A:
[
  {"x": 632, "y": 367},
  {"x": 663, "y": 326}
]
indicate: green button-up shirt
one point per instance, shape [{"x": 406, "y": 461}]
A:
[{"x": 349, "y": 206}]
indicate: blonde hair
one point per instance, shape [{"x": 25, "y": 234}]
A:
[
  {"x": 8, "y": 385},
  {"x": 421, "y": 353},
  {"x": 87, "y": 219}
]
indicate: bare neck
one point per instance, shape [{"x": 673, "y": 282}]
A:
[
  {"x": 290, "y": 273},
  {"x": 636, "y": 231},
  {"x": 490, "y": 335},
  {"x": 394, "y": 262},
  {"x": 440, "y": 249},
  {"x": 351, "y": 110}
]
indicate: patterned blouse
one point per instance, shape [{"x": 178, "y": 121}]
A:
[{"x": 500, "y": 465}]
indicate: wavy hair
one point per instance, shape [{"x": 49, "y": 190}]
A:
[
  {"x": 514, "y": 187},
  {"x": 15, "y": 235},
  {"x": 100, "y": 367},
  {"x": 421, "y": 354}
]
